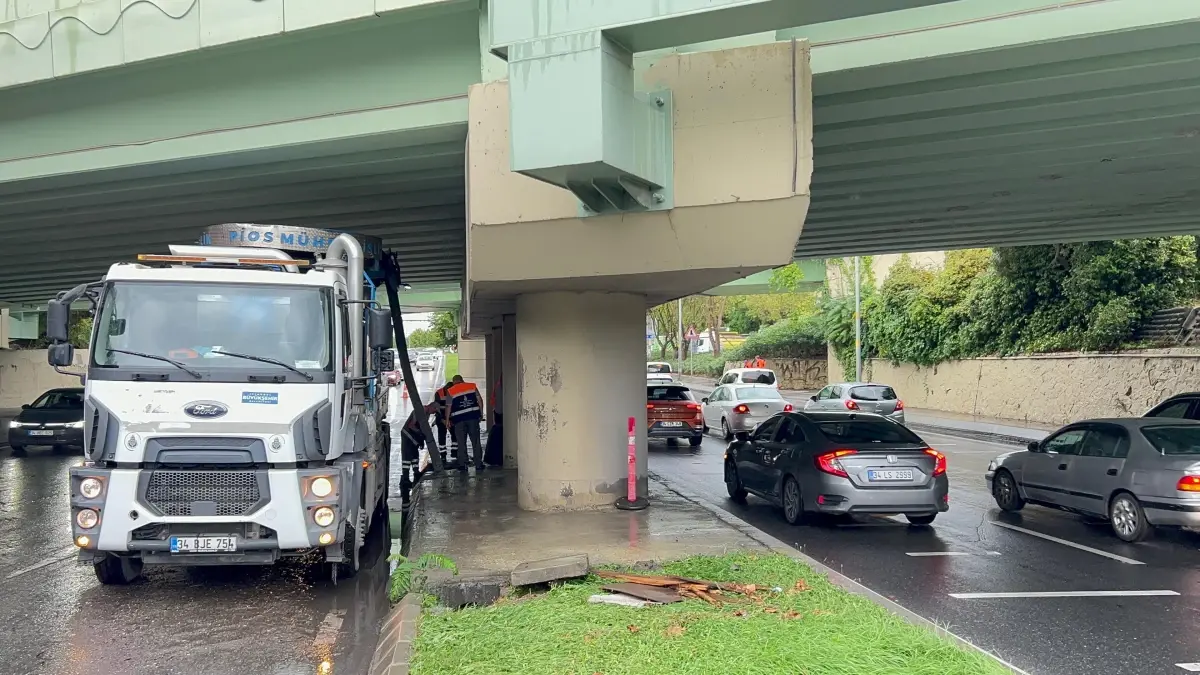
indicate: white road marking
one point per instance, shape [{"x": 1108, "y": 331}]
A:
[
  {"x": 1060, "y": 594},
  {"x": 328, "y": 630},
  {"x": 1064, "y": 542},
  {"x": 930, "y": 554},
  {"x": 1190, "y": 667},
  {"x": 66, "y": 554}
]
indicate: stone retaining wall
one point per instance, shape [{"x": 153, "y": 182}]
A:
[{"x": 1047, "y": 388}]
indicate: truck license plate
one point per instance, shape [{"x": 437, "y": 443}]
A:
[
  {"x": 890, "y": 474},
  {"x": 39, "y": 432},
  {"x": 203, "y": 544},
  {"x": 671, "y": 424}
]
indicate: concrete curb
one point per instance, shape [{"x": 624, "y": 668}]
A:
[
  {"x": 991, "y": 437},
  {"x": 835, "y": 577},
  {"x": 394, "y": 652}
]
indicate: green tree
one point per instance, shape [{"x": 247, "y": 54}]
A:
[
  {"x": 423, "y": 338},
  {"x": 445, "y": 326}
]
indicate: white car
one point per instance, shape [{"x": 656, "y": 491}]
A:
[
  {"x": 749, "y": 376},
  {"x": 426, "y": 362},
  {"x": 658, "y": 372}
]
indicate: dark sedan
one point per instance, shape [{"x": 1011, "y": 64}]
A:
[
  {"x": 55, "y": 418},
  {"x": 838, "y": 463}
]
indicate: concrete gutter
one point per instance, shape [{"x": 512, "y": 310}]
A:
[{"x": 836, "y": 578}]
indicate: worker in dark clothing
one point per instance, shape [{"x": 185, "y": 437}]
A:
[
  {"x": 441, "y": 400},
  {"x": 412, "y": 439},
  {"x": 463, "y": 415}
]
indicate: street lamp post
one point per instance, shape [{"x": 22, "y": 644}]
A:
[
  {"x": 857, "y": 318},
  {"x": 679, "y": 306}
]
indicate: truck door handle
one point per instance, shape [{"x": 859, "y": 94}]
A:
[
  {"x": 1062, "y": 467},
  {"x": 1112, "y": 472}
]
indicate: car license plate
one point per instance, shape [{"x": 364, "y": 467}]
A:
[
  {"x": 203, "y": 544},
  {"x": 890, "y": 474},
  {"x": 40, "y": 432},
  {"x": 670, "y": 424}
]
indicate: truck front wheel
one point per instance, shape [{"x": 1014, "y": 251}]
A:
[
  {"x": 117, "y": 570},
  {"x": 351, "y": 549}
]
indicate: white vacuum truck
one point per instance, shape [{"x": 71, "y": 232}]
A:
[{"x": 234, "y": 411}]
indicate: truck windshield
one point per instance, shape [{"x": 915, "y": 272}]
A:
[{"x": 191, "y": 323}]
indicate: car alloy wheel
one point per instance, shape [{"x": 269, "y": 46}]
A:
[
  {"x": 793, "y": 508},
  {"x": 1005, "y": 492},
  {"x": 726, "y": 432},
  {"x": 1128, "y": 520}
]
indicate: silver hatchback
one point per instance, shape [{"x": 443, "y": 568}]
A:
[
  {"x": 1138, "y": 473},
  {"x": 867, "y": 397}
]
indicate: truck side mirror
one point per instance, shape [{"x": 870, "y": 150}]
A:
[
  {"x": 58, "y": 319},
  {"x": 60, "y": 354},
  {"x": 379, "y": 327}
]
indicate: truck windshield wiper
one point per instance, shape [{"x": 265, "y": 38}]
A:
[
  {"x": 264, "y": 359},
  {"x": 156, "y": 357}
]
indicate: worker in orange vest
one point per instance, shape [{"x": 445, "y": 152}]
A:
[
  {"x": 759, "y": 362},
  {"x": 464, "y": 415}
]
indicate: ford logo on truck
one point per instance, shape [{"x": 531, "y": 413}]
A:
[{"x": 204, "y": 409}]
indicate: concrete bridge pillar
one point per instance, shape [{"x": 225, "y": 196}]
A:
[{"x": 581, "y": 376}]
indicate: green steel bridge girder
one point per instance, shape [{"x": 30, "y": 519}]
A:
[{"x": 577, "y": 120}]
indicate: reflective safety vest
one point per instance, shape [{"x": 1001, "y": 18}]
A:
[
  {"x": 466, "y": 405},
  {"x": 760, "y": 364},
  {"x": 496, "y": 396}
]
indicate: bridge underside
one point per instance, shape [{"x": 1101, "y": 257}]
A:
[{"x": 1072, "y": 139}]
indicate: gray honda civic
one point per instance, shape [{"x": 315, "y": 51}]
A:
[{"x": 838, "y": 463}]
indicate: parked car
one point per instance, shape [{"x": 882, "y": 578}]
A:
[
  {"x": 1138, "y": 473},
  {"x": 55, "y": 419},
  {"x": 412, "y": 356},
  {"x": 1180, "y": 406},
  {"x": 867, "y": 397},
  {"x": 673, "y": 413},
  {"x": 658, "y": 372},
  {"x": 741, "y": 407},
  {"x": 749, "y": 376},
  {"x": 838, "y": 463}
]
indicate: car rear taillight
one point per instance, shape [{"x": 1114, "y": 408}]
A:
[
  {"x": 1188, "y": 484},
  {"x": 899, "y": 404},
  {"x": 831, "y": 464},
  {"x": 851, "y": 405},
  {"x": 787, "y": 407},
  {"x": 649, "y": 406},
  {"x": 741, "y": 409},
  {"x": 939, "y": 464},
  {"x": 693, "y": 406}
]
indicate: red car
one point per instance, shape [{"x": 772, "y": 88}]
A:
[{"x": 672, "y": 413}]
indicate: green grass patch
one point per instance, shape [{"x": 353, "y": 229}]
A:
[
  {"x": 821, "y": 630},
  {"x": 451, "y": 365}
]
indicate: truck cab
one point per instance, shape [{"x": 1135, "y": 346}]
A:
[{"x": 233, "y": 404}]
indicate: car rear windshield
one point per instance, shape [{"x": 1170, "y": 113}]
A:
[
  {"x": 866, "y": 431},
  {"x": 757, "y": 393},
  {"x": 758, "y": 377},
  {"x": 655, "y": 368},
  {"x": 668, "y": 394},
  {"x": 1174, "y": 440},
  {"x": 873, "y": 393}
]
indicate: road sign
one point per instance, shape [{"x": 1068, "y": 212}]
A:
[{"x": 691, "y": 335}]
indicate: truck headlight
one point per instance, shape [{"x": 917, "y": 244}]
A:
[
  {"x": 91, "y": 487},
  {"x": 321, "y": 486},
  {"x": 323, "y": 516},
  {"x": 87, "y": 518}
]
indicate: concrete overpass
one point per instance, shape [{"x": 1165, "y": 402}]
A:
[{"x": 919, "y": 124}]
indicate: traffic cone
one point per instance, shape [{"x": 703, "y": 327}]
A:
[{"x": 404, "y": 392}]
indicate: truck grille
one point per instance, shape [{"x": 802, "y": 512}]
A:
[{"x": 176, "y": 493}]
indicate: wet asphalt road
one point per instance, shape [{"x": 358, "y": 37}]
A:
[
  {"x": 1047, "y": 636},
  {"x": 56, "y": 619}
]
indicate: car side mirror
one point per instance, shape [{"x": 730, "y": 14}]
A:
[
  {"x": 379, "y": 327},
  {"x": 704, "y": 400},
  {"x": 812, "y": 398},
  {"x": 60, "y": 354},
  {"x": 58, "y": 319},
  {"x": 742, "y": 436},
  {"x": 24, "y": 406},
  {"x": 1034, "y": 446}
]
